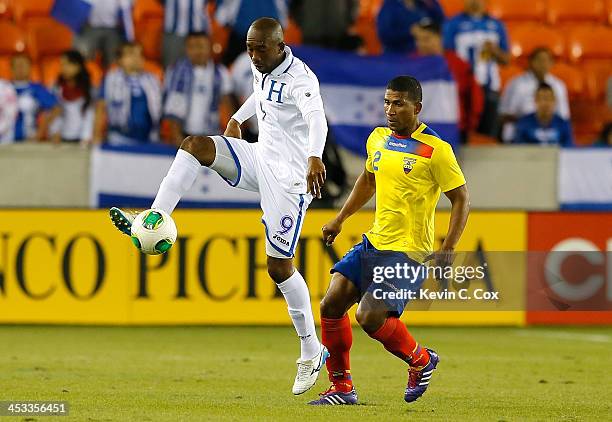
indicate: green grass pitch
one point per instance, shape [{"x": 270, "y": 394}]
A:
[{"x": 246, "y": 373}]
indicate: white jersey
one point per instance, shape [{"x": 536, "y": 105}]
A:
[{"x": 284, "y": 97}]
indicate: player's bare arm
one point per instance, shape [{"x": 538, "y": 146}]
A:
[
  {"x": 362, "y": 192},
  {"x": 460, "y": 209},
  {"x": 315, "y": 177},
  {"x": 233, "y": 129}
]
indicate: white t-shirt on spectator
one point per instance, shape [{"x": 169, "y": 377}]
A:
[
  {"x": 518, "y": 99},
  {"x": 197, "y": 121},
  {"x": 74, "y": 123},
  {"x": 105, "y": 13},
  {"x": 8, "y": 111}
]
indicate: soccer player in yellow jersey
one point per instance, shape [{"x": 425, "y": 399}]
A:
[{"x": 408, "y": 165}]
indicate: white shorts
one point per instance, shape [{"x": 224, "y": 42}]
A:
[{"x": 283, "y": 212}]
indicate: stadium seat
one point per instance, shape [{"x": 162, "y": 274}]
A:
[
  {"x": 145, "y": 10},
  {"x": 369, "y": 8},
  {"x": 571, "y": 11},
  {"x": 588, "y": 119},
  {"x": 12, "y": 40},
  {"x": 48, "y": 39},
  {"x": 23, "y": 10},
  {"x": 508, "y": 72},
  {"x": 517, "y": 10},
  {"x": 525, "y": 38},
  {"x": 6, "y": 10},
  {"x": 597, "y": 74},
  {"x": 5, "y": 67},
  {"x": 590, "y": 42},
  {"x": 293, "y": 33},
  {"x": 452, "y": 7},
  {"x": 573, "y": 78},
  {"x": 366, "y": 28},
  {"x": 219, "y": 38},
  {"x": 149, "y": 35}
]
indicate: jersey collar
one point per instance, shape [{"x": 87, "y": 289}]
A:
[
  {"x": 418, "y": 130},
  {"x": 285, "y": 65}
]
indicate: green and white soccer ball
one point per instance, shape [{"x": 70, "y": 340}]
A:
[{"x": 153, "y": 232}]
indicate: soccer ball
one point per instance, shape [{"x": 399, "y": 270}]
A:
[{"x": 153, "y": 232}]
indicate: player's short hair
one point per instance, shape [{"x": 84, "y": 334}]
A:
[
  {"x": 408, "y": 84},
  {"x": 543, "y": 86},
  {"x": 197, "y": 34},
  {"x": 537, "y": 51},
  {"x": 429, "y": 25}
]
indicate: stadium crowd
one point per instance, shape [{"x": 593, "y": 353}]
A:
[{"x": 117, "y": 82}]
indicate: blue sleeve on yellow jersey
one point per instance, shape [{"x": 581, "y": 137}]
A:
[{"x": 445, "y": 169}]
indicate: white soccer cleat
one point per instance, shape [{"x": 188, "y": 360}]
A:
[{"x": 308, "y": 371}]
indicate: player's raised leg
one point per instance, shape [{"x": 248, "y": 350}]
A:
[
  {"x": 337, "y": 336},
  {"x": 215, "y": 152},
  {"x": 396, "y": 339}
]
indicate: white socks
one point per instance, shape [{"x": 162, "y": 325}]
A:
[
  {"x": 180, "y": 179},
  {"x": 298, "y": 303}
]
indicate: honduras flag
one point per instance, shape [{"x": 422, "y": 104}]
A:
[
  {"x": 353, "y": 89},
  {"x": 75, "y": 14},
  {"x": 72, "y": 13},
  {"x": 129, "y": 176}
]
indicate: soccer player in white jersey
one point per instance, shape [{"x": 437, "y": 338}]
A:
[{"x": 285, "y": 167}]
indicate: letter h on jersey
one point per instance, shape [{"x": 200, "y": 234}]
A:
[{"x": 278, "y": 92}]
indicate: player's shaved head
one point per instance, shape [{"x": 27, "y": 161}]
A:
[
  {"x": 268, "y": 28},
  {"x": 265, "y": 44}
]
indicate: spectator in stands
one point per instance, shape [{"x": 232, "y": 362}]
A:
[
  {"x": 181, "y": 17},
  {"x": 196, "y": 87},
  {"x": 518, "y": 97},
  {"x": 397, "y": 17},
  {"x": 238, "y": 15},
  {"x": 242, "y": 84},
  {"x": 327, "y": 25},
  {"x": 8, "y": 111},
  {"x": 74, "y": 91},
  {"x": 130, "y": 101},
  {"x": 481, "y": 40},
  {"x": 605, "y": 139},
  {"x": 110, "y": 23},
  {"x": 37, "y": 105},
  {"x": 545, "y": 126},
  {"x": 428, "y": 36}
]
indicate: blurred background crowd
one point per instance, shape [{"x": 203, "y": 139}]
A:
[{"x": 131, "y": 72}]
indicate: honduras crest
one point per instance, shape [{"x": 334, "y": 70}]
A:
[{"x": 408, "y": 163}]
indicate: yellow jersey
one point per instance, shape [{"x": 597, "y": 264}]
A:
[{"x": 410, "y": 174}]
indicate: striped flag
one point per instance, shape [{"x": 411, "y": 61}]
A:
[{"x": 353, "y": 89}]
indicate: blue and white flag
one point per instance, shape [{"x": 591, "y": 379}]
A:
[
  {"x": 72, "y": 13},
  {"x": 130, "y": 176},
  {"x": 585, "y": 179},
  {"x": 353, "y": 89},
  {"x": 75, "y": 14}
]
